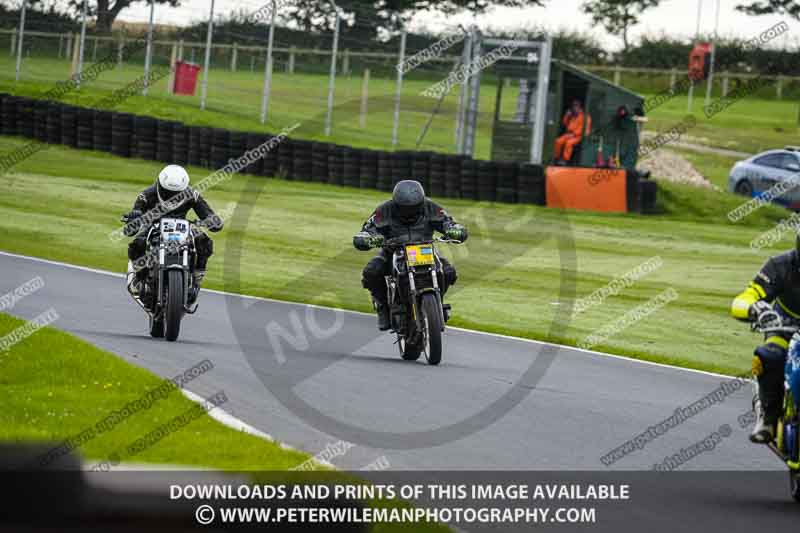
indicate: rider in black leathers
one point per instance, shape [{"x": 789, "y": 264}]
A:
[
  {"x": 408, "y": 216},
  {"x": 772, "y": 297},
  {"x": 158, "y": 196}
]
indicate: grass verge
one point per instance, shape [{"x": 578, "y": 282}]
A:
[
  {"x": 56, "y": 386},
  {"x": 296, "y": 245}
]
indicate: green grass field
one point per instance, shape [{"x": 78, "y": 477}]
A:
[
  {"x": 234, "y": 101},
  {"x": 62, "y": 204},
  {"x": 56, "y": 386}
]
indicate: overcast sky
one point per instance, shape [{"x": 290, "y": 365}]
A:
[{"x": 673, "y": 17}]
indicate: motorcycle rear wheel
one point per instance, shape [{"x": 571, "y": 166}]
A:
[{"x": 174, "y": 310}]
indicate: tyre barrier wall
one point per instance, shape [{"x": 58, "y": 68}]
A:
[{"x": 167, "y": 141}]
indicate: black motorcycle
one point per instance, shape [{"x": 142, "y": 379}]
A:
[
  {"x": 170, "y": 263},
  {"x": 417, "y": 313}
]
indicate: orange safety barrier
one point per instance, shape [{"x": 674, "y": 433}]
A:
[{"x": 594, "y": 189}]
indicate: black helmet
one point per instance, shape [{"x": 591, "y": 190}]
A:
[{"x": 409, "y": 200}]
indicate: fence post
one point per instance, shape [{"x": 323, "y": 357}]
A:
[
  {"x": 79, "y": 70},
  {"x": 173, "y": 59},
  {"x": 779, "y": 87},
  {"x": 617, "y": 75},
  {"x": 290, "y": 66},
  {"x": 346, "y": 63},
  {"x": 94, "y": 50},
  {"x": 60, "y": 44},
  {"x": 252, "y": 63},
  {"x": 673, "y": 78},
  {"x": 332, "y": 79},
  {"x": 234, "y": 58},
  {"x": 13, "y": 42},
  {"x": 207, "y": 62},
  {"x": 725, "y": 83},
  {"x": 362, "y": 117},
  {"x": 180, "y": 50},
  {"x": 120, "y": 50},
  {"x": 76, "y": 50},
  {"x": 399, "y": 89},
  {"x": 149, "y": 48},
  {"x": 21, "y": 36},
  {"x": 268, "y": 65}
]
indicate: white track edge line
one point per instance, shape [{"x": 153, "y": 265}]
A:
[
  {"x": 226, "y": 419},
  {"x": 476, "y": 332}
]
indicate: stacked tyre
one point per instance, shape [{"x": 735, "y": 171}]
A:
[
  {"x": 469, "y": 179},
  {"x": 121, "y": 134},
  {"x": 25, "y": 117},
  {"x": 487, "y": 181},
  {"x": 238, "y": 145},
  {"x": 69, "y": 126},
  {"x": 506, "y": 182},
  {"x": 8, "y": 115},
  {"x": 319, "y": 162},
  {"x": 384, "y": 180},
  {"x": 285, "y": 157},
  {"x": 368, "y": 171},
  {"x": 336, "y": 165},
  {"x": 302, "y": 160},
  {"x": 199, "y": 146},
  {"x": 253, "y": 141},
  {"x": 40, "y": 109},
  {"x": 220, "y": 146},
  {"x": 144, "y": 134},
  {"x": 351, "y": 167},
  {"x": 452, "y": 180},
  {"x": 54, "y": 123},
  {"x": 401, "y": 166},
  {"x": 180, "y": 144},
  {"x": 270, "y": 159},
  {"x": 421, "y": 168},
  {"x": 84, "y": 129},
  {"x": 531, "y": 184},
  {"x": 165, "y": 129},
  {"x": 437, "y": 175},
  {"x": 101, "y": 130}
]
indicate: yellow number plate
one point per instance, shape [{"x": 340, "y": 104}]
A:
[{"x": 419, "y": 254}]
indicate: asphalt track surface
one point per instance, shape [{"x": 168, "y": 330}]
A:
[{"x": 585, "y": 405}]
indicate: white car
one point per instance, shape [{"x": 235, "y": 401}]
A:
[{"x": 756, "y": 175}]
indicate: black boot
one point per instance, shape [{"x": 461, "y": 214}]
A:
[
  {"x": 767, "y": 405},
  {"x": 383, "y": 315},
  {"x": 199, "y": 275}
]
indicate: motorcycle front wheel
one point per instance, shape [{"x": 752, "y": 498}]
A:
[
  {"x": 174, "y": 310},
  {"x": 432, "y": 317}
]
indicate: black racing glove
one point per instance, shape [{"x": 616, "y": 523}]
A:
[
  {"x": 132, "y": 223},
  {"x": 364, "y": 240},
  {"x": 763, "y": 315},
  {"x": 213, "y": 223},
  {"x": 457, "y": 232}
]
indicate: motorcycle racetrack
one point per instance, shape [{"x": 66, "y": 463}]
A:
[{"x": 584, "y": 406}]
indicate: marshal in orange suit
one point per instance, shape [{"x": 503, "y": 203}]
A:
[{"x": 573, "y": 121}]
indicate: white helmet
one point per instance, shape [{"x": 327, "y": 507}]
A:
[{"x": 171, "y": 180}]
